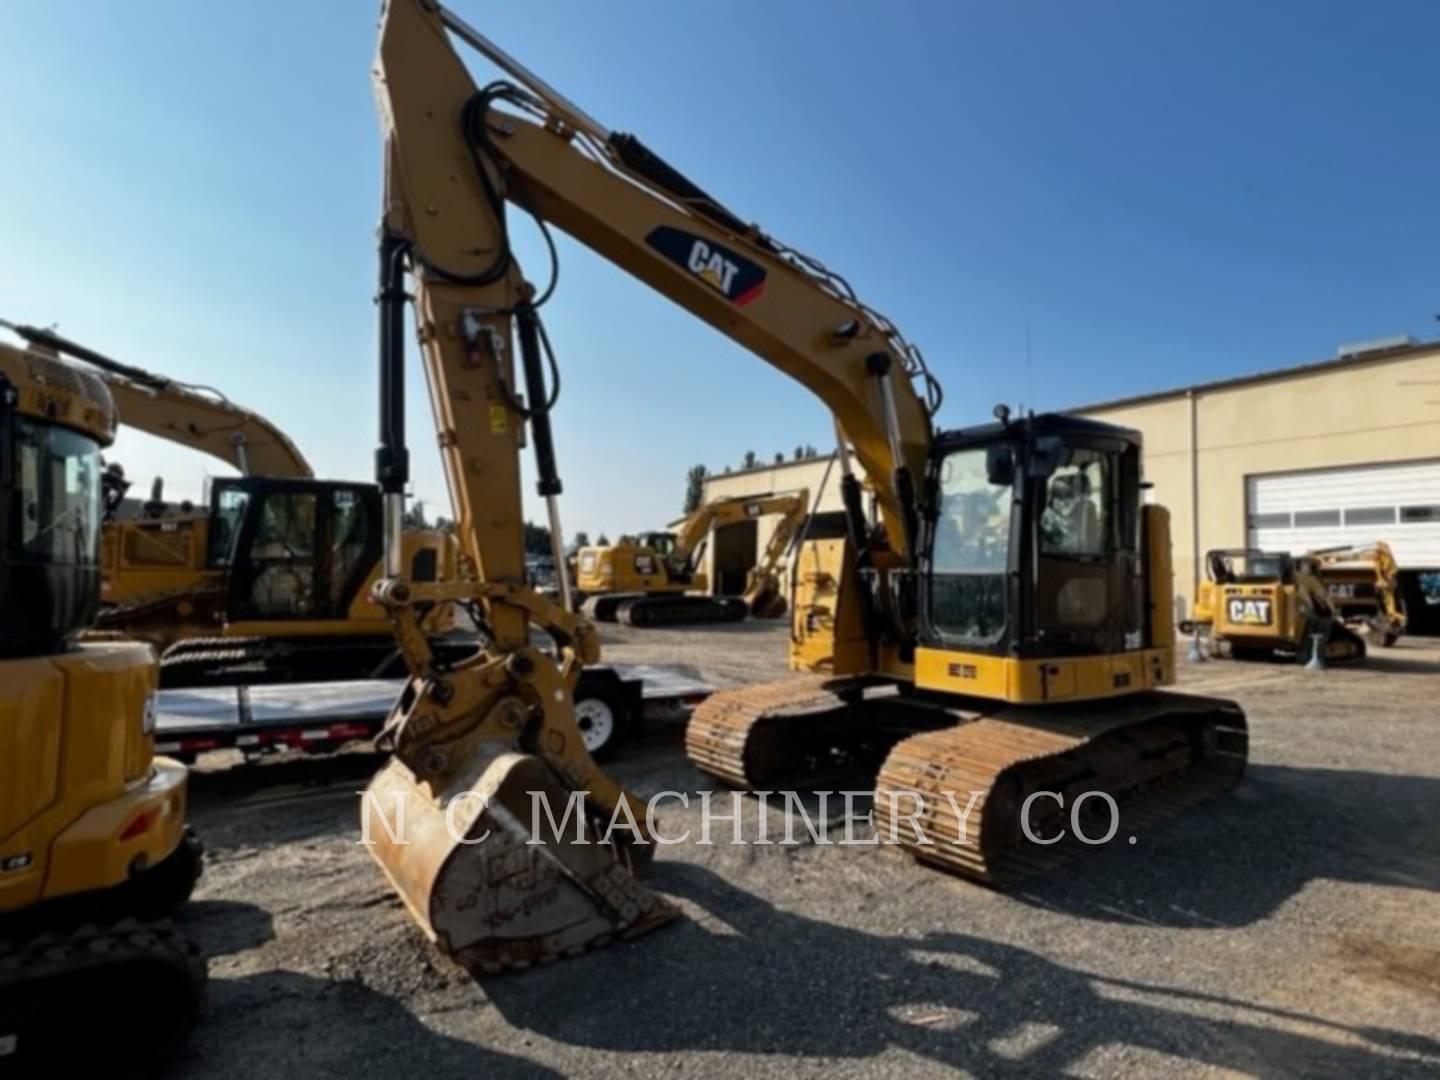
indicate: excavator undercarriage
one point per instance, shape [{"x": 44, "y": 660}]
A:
[{"x": 937, "y": 763}]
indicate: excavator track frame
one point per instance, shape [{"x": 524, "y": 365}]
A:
[{"x": 1172, "y": 751}]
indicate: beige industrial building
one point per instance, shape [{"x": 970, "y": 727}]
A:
[{"x": 1335, "y": 452}]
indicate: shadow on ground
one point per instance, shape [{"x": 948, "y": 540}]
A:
[
  {"x": 1388, "y": 663},
  {"x": 1234, "y": 861},
  {"x": 776, "y": 983},
  {"x": 281, "y": 1023}
]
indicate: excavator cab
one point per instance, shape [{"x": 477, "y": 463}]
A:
[
  {"x": 1033, "y": 542},
  {"x": 294, "y": 549}
]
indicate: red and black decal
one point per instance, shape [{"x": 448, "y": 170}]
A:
[{"x": 726, "y": 271}]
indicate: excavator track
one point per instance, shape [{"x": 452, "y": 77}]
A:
[
  {"x": 1154, "y": 754},
  {"x": 803, "y": 728},
  {"x": 681, "y": 610},
  {"x": 159, "y": 614},
  {"x": 132, "y": 987},
  {"x": 255, "y": 661}
]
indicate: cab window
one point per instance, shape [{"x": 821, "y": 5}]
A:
[
  {"x": 970, "y": 553},
  {"x": 1076, "y": 517}
]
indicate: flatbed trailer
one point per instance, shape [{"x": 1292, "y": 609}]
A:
[{"x": 610, "y": 705}]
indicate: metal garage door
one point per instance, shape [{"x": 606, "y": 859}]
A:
[{"x": 1399, "y": 504}]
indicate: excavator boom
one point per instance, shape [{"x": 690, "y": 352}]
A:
[
  {"x": 1012, "y": 566},
  {"x": 195, "y": 417},
  {"x": 639, "y": 584}
]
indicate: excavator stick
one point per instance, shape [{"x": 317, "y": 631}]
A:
[{"x": 485, "y": 871}]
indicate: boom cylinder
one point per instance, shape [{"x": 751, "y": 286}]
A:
[{"x": 879, "y": 364}]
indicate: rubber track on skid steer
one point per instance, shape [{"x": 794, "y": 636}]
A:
[
  {"x": 995, "y": 752},
  {"x": 720, "y": 737},
  {"x": 50, "y": 979}
]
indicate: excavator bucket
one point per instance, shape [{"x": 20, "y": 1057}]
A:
[{"x": 495, "y": 881}]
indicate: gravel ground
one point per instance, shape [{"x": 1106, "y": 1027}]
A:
[{"x": 1291, "y": 927}]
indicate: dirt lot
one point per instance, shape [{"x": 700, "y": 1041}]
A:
[{"x": 1293, "y": 927}]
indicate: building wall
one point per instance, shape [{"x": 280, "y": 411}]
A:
[
  {"x": 1349, "y": 413},
  {"x": 1201, "y": 444},
  {"x": 773, "y": 480}
]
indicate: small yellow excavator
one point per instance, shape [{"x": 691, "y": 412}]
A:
[
  {"x": 94, "y": 851},
  {"x": 269, "y": 583},
  {"x": 1262, "y": 605},
  {"x": 1364, "y": 586},
  {"x": 654, "y": 580},
  {"x": 1002, "y": 634}
]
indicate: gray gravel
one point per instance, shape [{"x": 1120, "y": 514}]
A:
[{"x": 1292, "y": 927}]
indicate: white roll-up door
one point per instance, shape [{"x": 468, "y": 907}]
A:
[{"x": 1302, "y": 511}]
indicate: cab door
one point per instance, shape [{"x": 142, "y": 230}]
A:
[{"x": 303, "y": 550}]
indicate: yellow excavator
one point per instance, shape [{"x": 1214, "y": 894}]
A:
[
  {"x": 1264, "y": 605},
  {"x": 654, "y": 580},
  {"x": 94, "y": 851},
  {"x": 1005, "y": 631},
  {"x": 271, "y": 581},
  {"x": 1363, "y": 583}
]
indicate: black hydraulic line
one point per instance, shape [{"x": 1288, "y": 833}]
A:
[
  {"x": 392, "y": 458},
  {"x": 642, "y": 160},
  {"x": 910, "y": 520},
  {"x": 527, "y": 322},
  {"x": 48, "y": 339},
  {"x": 850, "y": 498}
]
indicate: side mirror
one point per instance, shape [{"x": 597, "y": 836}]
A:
[{"x": 1000, "y": 464}]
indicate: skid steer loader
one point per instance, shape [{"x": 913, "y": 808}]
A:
[{"x": 1261, "y": 605}]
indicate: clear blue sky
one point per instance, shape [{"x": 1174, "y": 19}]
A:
[{"x": 1165, "y": 193}]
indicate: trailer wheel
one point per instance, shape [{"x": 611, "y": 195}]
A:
[{"x": 600, "y": 716}]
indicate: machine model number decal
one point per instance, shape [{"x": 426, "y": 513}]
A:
[
  {"x": 727, "y": 272},
  {"x": 644, "y": 564},
  {"x": 1252, "y": 612},
  {"x": 963, "y": 671}
]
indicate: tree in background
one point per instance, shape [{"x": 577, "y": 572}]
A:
[
  {"x": 695, "y": 488},
  {"x": 604, "y": 541},
  {"x": 582, "y": 539},
  {"x": 537, "y": 539},
  {"x": 779, "y": 457},
  {"x": 751, "y": 460},
  {"x": 414, "y": 516}
]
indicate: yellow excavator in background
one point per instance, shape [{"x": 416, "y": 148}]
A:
[
  {"x": 1003, "y": 634},
  {"x": 654, "y": 579},
  {"x": 1364, "y": 587},
  {"x": 94, "y": 851},
  {"x": 271, "y": 581},
  {"x": 1262, "y": 605}
]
